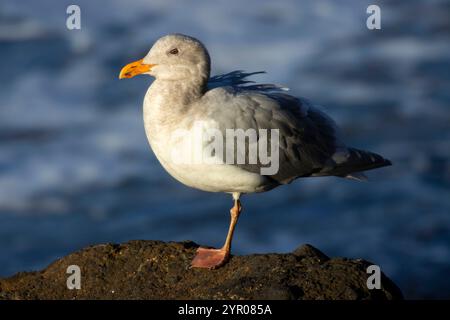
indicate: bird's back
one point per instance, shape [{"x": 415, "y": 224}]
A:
[{"x": 308, "y": 140}]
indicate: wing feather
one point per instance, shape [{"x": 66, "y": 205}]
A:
[{"x": 308, "y": 142}]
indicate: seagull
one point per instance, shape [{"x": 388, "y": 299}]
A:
[{"x": 183, "y": 98}]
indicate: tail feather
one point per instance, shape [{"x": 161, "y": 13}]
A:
[
  {"x": 357, "y": 176},
  {"x": 349, "y": 163}
]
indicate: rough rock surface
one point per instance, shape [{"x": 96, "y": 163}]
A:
[{"x": 159, "y": 270}]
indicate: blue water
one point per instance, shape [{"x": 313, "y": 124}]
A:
[{"x": 76, "y": 169}]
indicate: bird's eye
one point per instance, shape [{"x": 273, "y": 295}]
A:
[{"x": 174, "y": 51}]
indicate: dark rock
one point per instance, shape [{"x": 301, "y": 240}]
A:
[{"x": 159, "y": 270}]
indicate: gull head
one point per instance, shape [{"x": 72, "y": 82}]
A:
[{"x": 172, "y": 57}]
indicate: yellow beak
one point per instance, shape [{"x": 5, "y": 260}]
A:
[{"x": 134, "y": 68}]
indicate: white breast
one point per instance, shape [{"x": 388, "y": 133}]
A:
[{"x": 179, "y": 144}]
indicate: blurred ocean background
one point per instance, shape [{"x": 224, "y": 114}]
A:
[{"x": 76, "y": 169}]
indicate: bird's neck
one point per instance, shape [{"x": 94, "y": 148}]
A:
[
  {"x": 174, "y": 94},
  {"x": 166, "y": 102}
]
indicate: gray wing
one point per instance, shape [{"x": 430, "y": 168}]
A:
[
  {"x": 308, "y": 144},
  {"x": 306, "y": 136}
]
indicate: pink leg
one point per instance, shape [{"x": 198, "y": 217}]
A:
[{"x": 214, "y": 258}]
